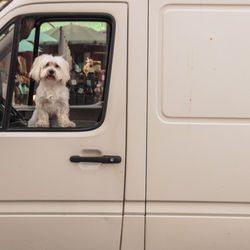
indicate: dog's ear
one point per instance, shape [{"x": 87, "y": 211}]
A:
[
  {"x": 65, "y": 70},
  {"x": 36, "y": 68},
  {"x": 67, "y": 75}
]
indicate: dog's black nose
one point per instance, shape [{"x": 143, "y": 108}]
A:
[{"x": 51, "y": 71}]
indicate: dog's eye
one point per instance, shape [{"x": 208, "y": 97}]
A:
[
  {"x": 57, "y": 66},
  {"x": 47, "y": 65}
]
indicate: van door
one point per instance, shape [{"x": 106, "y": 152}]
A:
[
  {"x": 198, "y": 188},
  {"x": 46, "y": 200}
]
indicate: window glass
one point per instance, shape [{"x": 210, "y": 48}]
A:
[
  {"x": 84, "y": 45},
  {"x": 6, "y": 40}
]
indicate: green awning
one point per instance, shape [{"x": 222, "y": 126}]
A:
[
  {"x": 44, "y": 38},
  {"x": 24, "y": 45}
]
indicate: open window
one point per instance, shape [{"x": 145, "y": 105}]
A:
[{"x": 85, "y": 42}]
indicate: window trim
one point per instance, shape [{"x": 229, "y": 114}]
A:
[
  {"x": 64, "y": 16},
  {"x": 12, "y": 69}
]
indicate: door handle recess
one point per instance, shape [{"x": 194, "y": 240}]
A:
[{"x": 106, "y": 159}]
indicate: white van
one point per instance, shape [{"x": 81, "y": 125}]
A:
[{"x": 160, "y": 155}]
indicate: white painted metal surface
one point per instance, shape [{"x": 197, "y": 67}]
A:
[
  {"x": 202, "y": 225},
  {"x": 137, "y": 101},
  {"x": 197, "y": 139},
  {"x": 48, "y": 174},
  {"x": 62, "y": 232},
  {"x": 205, "y": 61},
  {"x": 194, "y": 158},
  {"x": 198, "y": 125},
  {"x": 133, "y": 232},
  {"x": 76, "y": 201},
  {"x": 198, "y": 232}
]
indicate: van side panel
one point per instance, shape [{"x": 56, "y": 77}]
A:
[
  {"x": 62, "y": 232},
  {"x": 206, "y": 233},
  {"x": 198, "y": 124}
]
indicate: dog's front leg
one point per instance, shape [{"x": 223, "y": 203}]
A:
[
  {"x": 63, "y": 119},
  {"x": 43, "y": 119}
]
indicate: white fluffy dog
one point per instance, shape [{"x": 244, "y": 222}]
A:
[{"x": 52, "y": 95}]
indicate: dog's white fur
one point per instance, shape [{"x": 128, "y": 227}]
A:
[{"x": 52, "y": 95}]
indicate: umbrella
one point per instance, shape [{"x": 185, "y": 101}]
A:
[
  {"x": 97, "y": 26},
  {"x": 43, "y": 38},
  {"x": 24, "y": 45},
  {"x": 76, "y": 34}
]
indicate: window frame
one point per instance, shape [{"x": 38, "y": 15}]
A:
[
  {"x": 49, "y": 17},
  {"x": 12, "y": 69}
]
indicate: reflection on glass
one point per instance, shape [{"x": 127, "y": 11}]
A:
[{"x": 6, "y": 40}]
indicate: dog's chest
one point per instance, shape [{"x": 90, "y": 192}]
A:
[
  {"x": 53, "y": 96},
  {"x": 52, "y": 99}
]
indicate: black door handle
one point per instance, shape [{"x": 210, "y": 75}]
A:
[{"x": 106, "y": 159}]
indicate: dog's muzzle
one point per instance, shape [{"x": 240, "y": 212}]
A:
[{"x": 51, "y": 74}]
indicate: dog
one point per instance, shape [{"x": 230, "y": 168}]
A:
[
  {"x": 52, "y": 95},
  {"x": 89, "y": 66}
]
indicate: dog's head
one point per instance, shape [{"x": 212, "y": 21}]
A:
[{"x": 50, "y": 68}]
